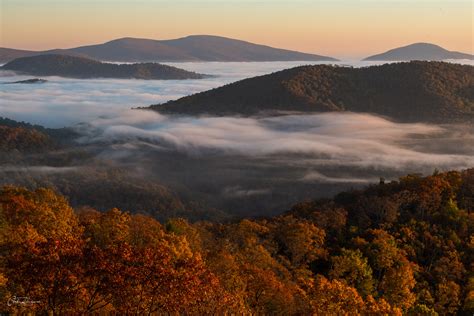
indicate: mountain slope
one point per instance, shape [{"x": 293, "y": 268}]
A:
[
  {"x": 26, "y": 138},
  {"x": 9, "y": 54},
  {"x": 419, "y": 51},
  {"x": 23, "y": 139},
  {"x": 133, "y": 49},
  {"x": 191, "y": 48},
  {"x": 79, "y": 67},
  {"x": 415, "y": 91},
  {"x": 216, "y": 48},
  {"x": 408, "y": 243}
]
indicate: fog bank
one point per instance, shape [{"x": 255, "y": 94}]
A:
[{"x": 326, "y": 139}]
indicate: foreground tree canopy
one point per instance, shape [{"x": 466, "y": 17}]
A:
[{"x": 405, "y": 247}]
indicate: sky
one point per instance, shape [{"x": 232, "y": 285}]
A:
[{"x": 339, "y": 28}]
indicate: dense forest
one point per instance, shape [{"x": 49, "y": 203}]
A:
[
  {"x": 23, "y": 139},
  {"x": 396, "y": 247},
  {"x": 80, "y": 67},
  {"x": 34, "y": 156},
  {"x": 177, "y": 186},
  {"x": 56, "y": 137},
  {"x": 410, "y": 92}
]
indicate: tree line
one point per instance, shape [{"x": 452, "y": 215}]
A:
[{"x": 404, "y": 247}]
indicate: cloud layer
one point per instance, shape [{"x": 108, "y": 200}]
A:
[
  {"x": 62, "y": 102},
  {"x": 327, "y": 148},
  {"x": 328, "y": 139}
]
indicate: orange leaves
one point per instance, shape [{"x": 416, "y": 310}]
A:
[
  {"x": 419, "y": 262},
  {"x": 395, "y": 273},
  {"x": 301, "y": 240},
  {"x": 397, "y": 285},
  {"x": 336, "y": 298},
  {"x": 23, "y": 139},
  {"x": 110, "y": 262},
  {"x": 137, "y": 267},
  {"x": 448, "y": 298},
  {"x": 49, "y": 214}
]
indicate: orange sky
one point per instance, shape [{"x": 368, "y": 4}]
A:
[{"x": 339, "y": 28}]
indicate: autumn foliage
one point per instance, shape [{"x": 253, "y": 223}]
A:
[
  {"x": 405, "y": 247},
  {"x": 23, "y": 139}
]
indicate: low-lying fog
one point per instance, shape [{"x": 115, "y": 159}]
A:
[
  {"x": 325, "y": 139},
  {"x": 255, "y": 166},
  {"x": 249, "y": 166},
  {"x": 63, "y": 102}
]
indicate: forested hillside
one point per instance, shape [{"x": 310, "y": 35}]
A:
[
  {"x": 23, "y": 139},
  {"x": 401, "y": 247},
  {"x": 83, "y": 68},
  {"x": 410, "y": 92},
  {"x": 52, "y": 136},
  {"x": 34, "y": 156}
]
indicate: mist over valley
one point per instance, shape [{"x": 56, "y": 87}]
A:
[
  {"x": 210, "y": 167},
  {"x": 210, "y": 157}
]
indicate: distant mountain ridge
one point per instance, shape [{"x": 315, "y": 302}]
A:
[
  {"x": 410, "y": 92},
  {"x": 80, "y": 67},
  {"x": 190, "y": 48},
  {"x": 419, "y": 51},
  {"x": 9, "y": 54}
]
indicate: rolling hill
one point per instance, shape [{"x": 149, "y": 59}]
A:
[
  {"x": 400, "y": 242},
  {"x": 23, "y": 137},
  {"x": 9, "y": 54},
  {"x": 419, "y": 51},
  {"x": 190, "y": 48},
  {"x": 411, "y": 92},
  {"x": 80, "y": 67}
]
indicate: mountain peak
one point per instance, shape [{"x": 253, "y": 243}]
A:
[
  {"x": 423, "y": 44},
  {"x": 419, "y": 51},
  {"x": 410, "y": 92},
  {"x": 199, "y": 47}
]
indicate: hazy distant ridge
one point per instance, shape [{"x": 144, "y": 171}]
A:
[
  {"x": 80, "y": 67},
  {"x": 191, "y": 48},
  {"x": 419, "y": 51}
]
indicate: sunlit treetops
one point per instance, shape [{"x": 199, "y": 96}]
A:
[{"x": 404, "y": 247}]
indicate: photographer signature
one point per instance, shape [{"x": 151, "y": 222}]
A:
[{"x": 21, "y": 300}]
